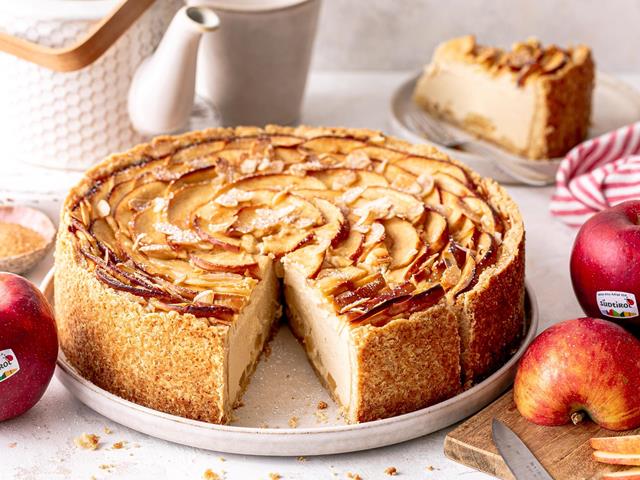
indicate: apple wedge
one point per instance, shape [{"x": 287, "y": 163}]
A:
[
  {"x": 615, "y": 458},
  {"x": 422, "y": 165},
  {"x": 402, "y": 241},
  {"x": 332, "y": 144},
  {"x": 351, "y": 247},
  {"x": 404, "y": 205},
  {"x": 631, "y": 474},
  {"x": 216, "y": 237},
  {"x": 622, "y": 444},
  {"x": 284, "y": 242},
  {"x": 340, "y": 178},
  {"x": 333, "y": 281},
  {"x": 436, "y": 231},
  {"x": 274, "y": 181},
  {"x": 307, "y": 259},
  {"x": 336, "y": 227},
  {"x": 224, "y": 261}
]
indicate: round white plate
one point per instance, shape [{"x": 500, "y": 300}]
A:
[
  {"x": 285, "y": 386},
  {"x": 615, "y": 104}
]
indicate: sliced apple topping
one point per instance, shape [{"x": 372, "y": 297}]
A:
[
  {"x": 381, "y": 231},
  {"x": 307, "y": 259},
  {"x": 224, "y": 261},
  {"x": 403, "y": 242}
]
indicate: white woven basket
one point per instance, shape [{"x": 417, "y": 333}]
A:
[{"x": 71, "y": 120}]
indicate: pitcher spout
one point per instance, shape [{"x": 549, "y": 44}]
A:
[{"x": 162, "y": 90}]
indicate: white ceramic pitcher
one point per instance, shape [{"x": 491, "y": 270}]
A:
[{"x": 253, "y": 68}]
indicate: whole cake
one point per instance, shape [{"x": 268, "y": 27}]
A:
[
  {"x": 402, "y": 270},
  {"x": 534, "y": 100}
]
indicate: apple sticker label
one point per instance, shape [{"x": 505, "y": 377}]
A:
[
  {"x": 8, "y": 364},
  {"x": 617, "y": 304}
]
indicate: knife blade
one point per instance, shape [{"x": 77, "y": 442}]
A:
[{"x": 522, "y": 463}]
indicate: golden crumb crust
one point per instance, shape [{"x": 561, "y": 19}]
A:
[{"x": 177, "y": 363}]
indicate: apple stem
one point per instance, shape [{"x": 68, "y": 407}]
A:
[{"x": 577, "y": 417}]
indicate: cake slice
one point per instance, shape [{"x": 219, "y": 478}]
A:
[{"x": 534, "y": 101}]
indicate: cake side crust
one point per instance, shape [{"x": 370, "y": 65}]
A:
[
  {"x": 408, "y": 364},
  {"x": 162, "y": 360}
]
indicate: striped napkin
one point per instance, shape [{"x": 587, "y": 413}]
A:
[{"x": 597, "y": 174}]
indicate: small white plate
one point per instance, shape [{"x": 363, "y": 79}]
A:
[
  {"x": 615, "y": 104},
  {"x": 283, "y": 386}
]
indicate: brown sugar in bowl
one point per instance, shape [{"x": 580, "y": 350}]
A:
[{"x": 26, "y": 234}]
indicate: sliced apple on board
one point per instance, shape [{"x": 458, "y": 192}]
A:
[
  {"x": 615, "y": 458},
  {"x": 632, "y": 474},
  {"x": 622, "y": 444}
]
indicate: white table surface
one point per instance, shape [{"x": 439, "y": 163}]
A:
[{"x": 39, "y": 445}]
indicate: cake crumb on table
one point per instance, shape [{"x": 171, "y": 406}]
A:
[
  {"x": 302, "y": 459},
  {"x": 210, "y": 475},
  {"x": 293, "y": 422},
  {"x": 106, "y": 466},
  {"x": 13, "y": 445},
  {"x": 118, "y": 445},
  {"x": 222, "y": 459},
  {"x": 321, "y": 417},
  {"x": 275, "y": 476},
  {"x": 322, "y": 405},
  {"x": 107, "y": 430},
  {"x": 88, "y": 441},
  {"x": 391, "y": 471},
  {"x": 353, "y": 476}
]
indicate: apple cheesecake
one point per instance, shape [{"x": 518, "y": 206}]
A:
[
  {"x": 402, "y": 271},
  {"x": 533, "y": 100}
]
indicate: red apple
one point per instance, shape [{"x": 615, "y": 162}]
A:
[
  {"x": 28, "y": 345},
  {"x": 585, "y": 366},
  {"x": 605, "y": 264}
]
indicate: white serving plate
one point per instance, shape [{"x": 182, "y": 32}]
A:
[
  {"x": 615, "y": 104},
  {"x": 284, "y": 385}
]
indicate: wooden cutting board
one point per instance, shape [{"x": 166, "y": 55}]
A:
[{"x": 564, "y": 451}]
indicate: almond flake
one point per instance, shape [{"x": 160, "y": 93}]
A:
[
  {"x": 358, "y": 159},
  {"x": 376, "y": 234},
  {"x": 137, "y": 241},
  {"x": 344, "y": 180},
  {"x": 351, "y": 195},
  {"x": 233, "y": 197},
  {"x": 374, "y": 210},
  {"x": 103, "y": 208},
  {"x": 160, "y": 204},
  {"x": 177, "y": 235},
  {"x": 206, "y": 296},
  {"x": 249, "y": 166}
]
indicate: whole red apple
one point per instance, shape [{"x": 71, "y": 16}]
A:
[
  {"x": 605, "y": 264},
  {"x": 28, "y": 345},
  {"x": 583, "y": 366}
]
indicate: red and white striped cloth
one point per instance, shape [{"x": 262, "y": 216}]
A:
[{"x": 597, "y": 174}]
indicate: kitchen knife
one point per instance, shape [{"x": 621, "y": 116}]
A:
[{"x": 522, "y": 463}]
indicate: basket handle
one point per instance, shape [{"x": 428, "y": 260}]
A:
[{"x": 84, "y": 51}]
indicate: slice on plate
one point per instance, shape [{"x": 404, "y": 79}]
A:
[{"x": 533, "y": 100}]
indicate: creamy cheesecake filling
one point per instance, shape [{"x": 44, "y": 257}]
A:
[
  {"x": 478, "y": 99},
  {"x": 325, "y": 337},
  {"x": 249, "y": 333}
]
